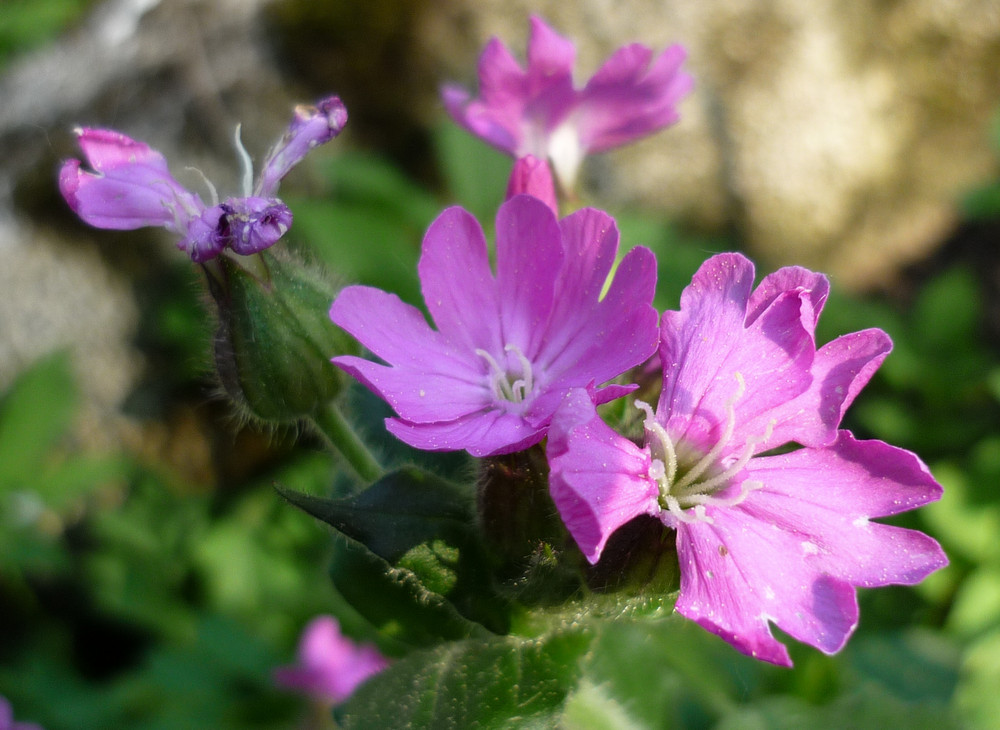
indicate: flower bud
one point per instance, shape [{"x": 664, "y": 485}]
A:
[
  {"x": 533, "y": 176},
  {"x": 536, "y": 561},
  {"x": 274, "y": 340}
]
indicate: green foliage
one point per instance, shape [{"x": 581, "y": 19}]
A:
[
  {"x": 25, "y": 24},
  {"x": 419, "y": 535},
  {"x": 499, "y": 682}
]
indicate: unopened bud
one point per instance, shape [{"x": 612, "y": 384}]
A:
[
  {"x": 533, "y": 176},
  {"x": 275, "y": 340}
]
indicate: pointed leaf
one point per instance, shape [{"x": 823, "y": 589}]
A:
[{"x": 421, "y": 531}]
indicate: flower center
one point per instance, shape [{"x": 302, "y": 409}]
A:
[
  {"x": 511, "y": 384},
  {"x": 689, "y": 480}
]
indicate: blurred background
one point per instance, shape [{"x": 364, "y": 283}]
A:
[{"x": 149, "y": 575}]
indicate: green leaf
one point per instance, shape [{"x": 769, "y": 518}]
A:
[
  {"x": 395, "y": 599},
  {"x": 404, "y": 509},
  {"x": 426, "y": 557},
  {"x": 502, "y": 682},
  {"x": 34, "y": 414}
]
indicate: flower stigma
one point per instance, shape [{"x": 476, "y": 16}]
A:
[
  {"x": 509, "y": 385},
  {"x": 689, "y": 482}
]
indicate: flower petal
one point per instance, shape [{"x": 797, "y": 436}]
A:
[
  {"x": 718, "y": 373},
  {"x": 311, "y": 126},
  {"x": 789, "y": 278},
  {"x": 330, "y": 666},
  {"x": 795, "y": 549},
  {"x": 486, "y": 433},
  {"x": 497, "y": 116},
  {"x": 598, "y": 479},
  {"x": 550, "y": 55},
  {"x": 840, "y": 370},
  {"x": 589, "y": 338},
  {"x": 738, "y": 573},
  {"x": 430, "y": 379},
  {"x": 604, "y": 339},
  {"x": 529, "y": 259},
  {"x": 398, "y": 333},
  {"x": 457, "y": 283},
  {"x": 629, "y": 98},
  {"x": 419, "y": 396},
  {"x": 130, "y": 187},
  {"x": 828, "y": 497}
]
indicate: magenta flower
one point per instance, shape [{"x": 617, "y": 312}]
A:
[
  {"x": 509, "y": 347},
  {"x": 782, "y": 538},
  {"x": 130, "y": 187},
  {"x": 538, "y": 111},
  {"x": 330, "y": 666},
  {"x": 7, "y": 718}
]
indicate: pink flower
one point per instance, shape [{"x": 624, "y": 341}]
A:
[
  {"x": 782, "y": 538},
  {"x": 130, "y": 187},
  {"x": 330, "y": 666},
  {"x": 538, "y": 111},
  {"x": 508, "y": 347}
]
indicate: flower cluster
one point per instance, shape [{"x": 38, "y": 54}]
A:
[
  {"x": 743, "y": 458},
  {"x": 130, "y": 187}
]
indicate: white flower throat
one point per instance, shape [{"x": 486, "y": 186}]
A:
[
  {"x": 511, "y": 384},
  {"x": 689, "y": 481}
]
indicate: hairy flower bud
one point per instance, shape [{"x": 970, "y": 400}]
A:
[{"x": 274, "y": 339}]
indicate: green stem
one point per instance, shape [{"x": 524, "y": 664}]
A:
[{"x": 331, "y": 423}]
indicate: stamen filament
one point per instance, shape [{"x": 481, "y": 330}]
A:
[
  {"x": 687, "y": 499},
  {"x": 503, "y": 389},
  {"x": 213, "y": 193},
  {"x": 723, "y": 440},
  {"x": 246, "y": 163}
]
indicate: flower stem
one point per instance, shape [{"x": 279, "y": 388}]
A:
[{"x": 330, "y": 422}]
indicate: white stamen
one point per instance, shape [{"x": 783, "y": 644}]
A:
[
  {"x": 246, "y": 163},
  {"x": 522, "y": 387},
  {"x": 212, "y": 193},
  {"x": 654, "y": 428},
  {"x": 722, "y": 441},
  {"x": 503, "y": 389},
  {"x": 687, "y": 498}
]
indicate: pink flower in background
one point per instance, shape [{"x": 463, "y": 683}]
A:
[
  {"x": 130, "y": 186},
  {"x": 508, "y": 347},
  {"x": 330, "y": 666},
  {"x": 7, "y": 718},
  {"x": 760, "y": 538},
  {"x": 538, "y": 111}
]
